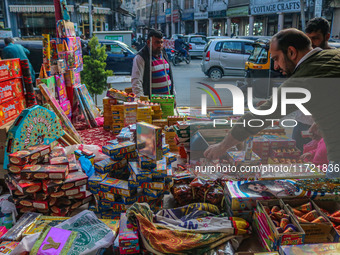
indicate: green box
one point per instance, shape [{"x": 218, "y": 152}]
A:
[{"x": 167, "y": 103}]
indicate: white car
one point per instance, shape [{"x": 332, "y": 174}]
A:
[
  {"x": 223, "y": 57},
  {"x": 196, "y": 44}
]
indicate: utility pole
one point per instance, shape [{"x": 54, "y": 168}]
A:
[
  {"x": 156, "y": 13},
  {"x": 90, "y": 18},
  {"x": 150, "y": 14},
  {"x": 303, "y": 16}
]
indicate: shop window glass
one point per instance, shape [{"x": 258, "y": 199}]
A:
[{"x": 232, "y": 47}]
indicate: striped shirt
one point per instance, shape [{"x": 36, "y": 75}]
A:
[{"x": 159, "y": 78}]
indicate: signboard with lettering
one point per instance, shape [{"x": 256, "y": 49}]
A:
[
  {"x": 217, "y": 14},
  {"x": 275, "y": 7},
  {"x": 200, "y": 15}
]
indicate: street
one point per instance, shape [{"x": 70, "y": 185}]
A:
[{"x": 186, "y": 79}]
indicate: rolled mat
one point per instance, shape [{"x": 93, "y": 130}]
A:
[{"x": 30, "y": 95}]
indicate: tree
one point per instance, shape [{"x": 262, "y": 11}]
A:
[{"x": 94, "y": 74}]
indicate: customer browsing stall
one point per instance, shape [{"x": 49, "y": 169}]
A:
[
  {"x": 151, "y": 71},
  {"x": 294, "y": 56}
]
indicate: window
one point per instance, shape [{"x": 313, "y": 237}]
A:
[
  {"x": 138, "y": 13},
  {"x": 248, "y": 48},
  {"x": 188, "y": 4},
  {"x": 143, "y": 12},
  {"x": 198, "y": 40},
  {"x": 114, "y": 49},
  {"x": 218, "y": 46},
  {"x": 232, "y": 47}
]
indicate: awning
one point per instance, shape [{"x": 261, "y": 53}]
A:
[
  {"x": 35, "y": 8},
  {"x": 97, "y": 10},
  {"x": 125, "y": 12}
]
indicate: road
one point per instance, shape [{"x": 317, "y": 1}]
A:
[{"x": 186, "y": 79}]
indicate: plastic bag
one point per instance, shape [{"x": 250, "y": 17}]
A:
[
  {"x": 8, "y": 211},
  {"x": 87, "y": 166}
]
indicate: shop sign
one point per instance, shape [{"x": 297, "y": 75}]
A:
[
  {"x": 175, "y": 16},
  {"x": 188, "y": 16},
  {"x": 6, "y": 33},
  {"x": 161, "y": 19},
  {"x": 35, "y": 8},
  {"x": 217, "y": 14},
  {"x": 168, "y": 11},
  {"x": 152, "y": 20},
  {"x": 200, "y": 15},
  {"x": 291, "y": 6},
  {"x": 238, "y": 11}
]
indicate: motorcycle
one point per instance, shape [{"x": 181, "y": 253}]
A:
[{"x": 177, "y": 57}]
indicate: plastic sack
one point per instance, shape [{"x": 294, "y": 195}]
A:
[
  {"x": 87, "y": 166},
  {"x": 8, "y": 212},
  {"x": 26, "y": 244}
]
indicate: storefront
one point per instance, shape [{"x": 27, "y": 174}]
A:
[
  {"x": 29, "y": 20},
  {"x": 188, "y": 19},
  {"x": 238, "y": 20},
  {"x": 201, "y": 22},
  {"x": 161, "y": 23},
  {"x": 218, "y": 22},
  {"x": 99, "y": 18},
  {"x": 278, "y": 15}
]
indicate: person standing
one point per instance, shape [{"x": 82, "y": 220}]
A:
[
  {"x": 292, "y": 53},
  {"x": 152, "y": 75},
  {"x": 318, "y": 31},
  {"x": 13, "y": 50}
]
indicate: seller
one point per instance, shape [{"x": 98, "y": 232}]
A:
[
  {"x": 13, "y": 50},
  {"x": 318, "y": 31},
  {"x": 292, "y": 53},
  {"x": 152, "y": 76}
]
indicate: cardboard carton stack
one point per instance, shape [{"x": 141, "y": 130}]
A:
[
  {"x": 54, "y": 188},
  {"x": 12, "y": 101}
]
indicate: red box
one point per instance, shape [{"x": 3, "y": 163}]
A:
[
  {"x": 11, "y": 109},
  {"x": 30, "y": 154},
  {"x": 277, "y": 141},
  {"x": 11, "y": 89},
  {"x": 9, "y": 69},
  {"x": 292, "y": 152}
]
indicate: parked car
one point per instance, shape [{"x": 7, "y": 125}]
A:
[
  {"x": 209, "y": 38},
  {"x": 226, "y": 57},
  {"x": 119, "y": 55},
  {"x": 196, "y": 44}
]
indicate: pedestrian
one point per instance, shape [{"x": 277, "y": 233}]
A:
[
  {"x": 152, "y": 75},
  {"x": 13, "y": 50},
  {"x": 292, "y": 53},
  {"x": 318, "y": 31}
]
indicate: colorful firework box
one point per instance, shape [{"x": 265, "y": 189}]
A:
[
  {"x": 6, "y": 247},
  {"x": 109, "y": 165},
  {"x": 121, "y": 148},
  {"x": 128, "y": 235},
  {"x": 119, "y": 95},
  {"x": 241, "y": 195},
  {"x": 152, "y": 193},
  {"x": 109, "y": 196},
  {"x": 170, "y": 157},
  {"x": 24, "y": 186},
  {"x": 11, "y": 109},
  {"x": 269, "y": 234},
  {"x": 35, "y": 125},
  {"x": 44, "y": 172},
  {"x": 61, "y": 88},
  {"x": 129, "y": 155},
  {"x": 42, "y": 222},
  {"x": 116, "y": 206},
  {"x": 72, "y": 163},
  {"x": 75, "y": 179},
  {"x": 9, "y": 69},
  {"x": 50, "y": 83},
  {"x": 94, "y": 184},
  {"x": 155, "y": 185},
  {"x": 29, "y": 155},
  {"x": 280, "y": 141},
  {"x": 149, "y": 141},
  {"x": 147, "y": 163},
  {"x": 116, "y": 186},
  {"x": 10, "y": 89},
  {"x": 139, "y": 175},
  {"x": 237, "y": 158},
  {"x": 65, "y": 29},
  {"x": 311, "y": 249}
]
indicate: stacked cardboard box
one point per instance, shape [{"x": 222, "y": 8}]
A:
[
  {"x": 144, "y": 114},
  {"x": 56, "y": 188},
  {"x": 108, "y": 120}
]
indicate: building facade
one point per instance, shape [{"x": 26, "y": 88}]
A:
[{"x": 36, "y": 17}]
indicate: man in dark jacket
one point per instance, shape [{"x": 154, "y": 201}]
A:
[
  {"x": 311, "y": 69},
  {"x": 152, "y": 75},
  {"x": 13, "y": 50}
]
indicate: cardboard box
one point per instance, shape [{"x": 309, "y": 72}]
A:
[
  {"x": 331, "y": 207},
  {"x": 11, "y": 109},
  {"x": 109, "y": 165},
  {"x": 44, "y": 172},
  {"x": 75, "y": 179},
  {"x": 9, "y": 69},
  {"x": 278, "y": 239},
  {"x": 128, "y": 235},
  {"x": 26, "y": 187},
  {"x": 310, "y": 249},
  {"x": 116, "y": 186},
  {"x": 50, "y": 83},
  {"x": 11, "y": 89},
  {"x": 237, "y": 158},
  {"x": 242, "y": 195},
  {"x": 29, "y": 155},
  {"x": 120, "y": 148},
  {"x": 3, "y": 138},
  {"x": 277, "y": 141},
  {"x": 149, "y": 140}
]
